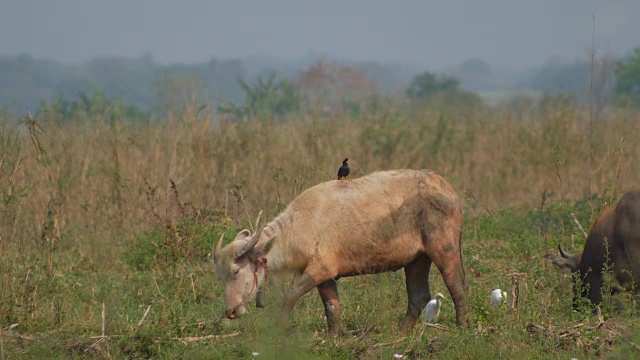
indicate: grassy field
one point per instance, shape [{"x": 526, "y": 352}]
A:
[{"x": 107, "y": 226}]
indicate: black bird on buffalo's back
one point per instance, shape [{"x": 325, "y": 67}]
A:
[{"x": 344, "y": 170}]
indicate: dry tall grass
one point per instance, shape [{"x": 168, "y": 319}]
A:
[
  {"x": 92, "y": 176},
  {"x": 75, "y": 194}
]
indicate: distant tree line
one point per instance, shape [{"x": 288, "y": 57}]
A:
[
  {"x": 26, "y": 81},
  {"x": 239, "y": 90}
]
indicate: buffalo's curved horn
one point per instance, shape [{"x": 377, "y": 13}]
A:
[
  {"x": 244, "y": 250},
  {"x": 563, "y": 253},
  {"x": 258, "y": 234},
  {"x": 218, "y": 247},
  {"x": 258, "y": 220}
]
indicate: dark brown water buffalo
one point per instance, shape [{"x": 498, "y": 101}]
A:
[
  {"x": 616, "y": 234},
  {"x": 381, "y": 222}
]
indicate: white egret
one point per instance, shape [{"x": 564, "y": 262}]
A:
[
  {"x": 433, "y": 308},
  {"x": 498, "y": 297}
]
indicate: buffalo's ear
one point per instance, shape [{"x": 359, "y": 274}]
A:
[
  {"x": 562, "y": 262},
  {"x": 262, "y": 249},
  {"x": 242, "y": 234},
  {"x": 244, "y": 243},
  {"x": 248, "y": 246}
]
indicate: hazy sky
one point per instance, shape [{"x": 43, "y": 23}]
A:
[{"x": 431, "y": 33}]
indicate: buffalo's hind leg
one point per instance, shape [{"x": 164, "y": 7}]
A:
[
  {"x": 329, "y": 293},
  {"x": 417, "y": 280},
  {"x": 446, "y": 253},
  {"x": 454, "y": 278}
]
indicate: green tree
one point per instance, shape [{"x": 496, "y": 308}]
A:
[
  {"x": 627, "y": 73},
  {"x": 266, "y": 98},
  {"x": 428, "y": 84}
]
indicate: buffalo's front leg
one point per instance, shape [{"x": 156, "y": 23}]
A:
[
  {"x": 417, "y": 280},
  {"x": 301, "y": 285},
  {"x": 329, "y": 293}
]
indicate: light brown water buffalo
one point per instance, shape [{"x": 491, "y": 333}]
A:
[
  {"x": 381, "y": 222},
  {"x": 616, "y": 234}
]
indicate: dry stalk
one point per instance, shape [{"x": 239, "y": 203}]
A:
[
  {"x": 244, "y": 205},
  {"x": 193, "y": 288},
  {"x": 469, "y": 194},
  {"x": 97, "y": 343},
  {"x": 620, "y": 150},
  {"x": 145, "y": 313},
  {"x": 16, "y": 167},
  {"x": 515, "y": 293},
  {"x": 226, "y": 202},
  {"x": 390, "y": 342},
  {"x": 34, "y": 129},
  {"x": 192, "y": 339},
  {"x": 88, "y": 153},
  {"x": 258, "y": 219},
  {"x": 580, "y": 228},
  {"x": 104, "y": 319},
  {"x": 22, "y": 337},
  {"x": 437, "y": 326},
  {"x": 10, "y": 327},
  {"x": 176, "y": 195},
  {"x": 105, "y": 336},
  {"x": 15, "y": 213},
  {"x": 155, "y": 282}
]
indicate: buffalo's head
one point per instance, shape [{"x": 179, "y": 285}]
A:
[
  {"x": 571, "y": 262},
  {"x": 237, "y": 267}
]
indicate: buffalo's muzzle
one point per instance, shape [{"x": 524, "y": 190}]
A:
[
  {"x": 234, "y": 313},
  {"x": 230, "y": 314}
]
